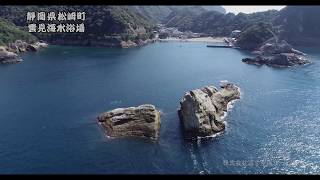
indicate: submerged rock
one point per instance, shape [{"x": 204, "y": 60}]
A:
[
  {"x": 280, "y": 60},
  {"x": 141, "y": 121},
  {"x": 7, "y": 57},
  {"x": 202, "y": 110}
]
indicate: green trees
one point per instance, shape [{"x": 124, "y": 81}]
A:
[
  {"x": 218, "y": 24},
  {"x": 10, "y": 33},
  {"x": 255, "y": 35},
  {"x": 102, "y": 23},
  {"x": 300, "y": 25}
]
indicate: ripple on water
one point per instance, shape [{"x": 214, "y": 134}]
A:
[{"x": 294, "y": 146}]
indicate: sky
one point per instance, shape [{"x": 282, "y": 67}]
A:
[{"x": 250, "y": 9}]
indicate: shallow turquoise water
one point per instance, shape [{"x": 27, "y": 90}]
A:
[{"x": 49, "y": 104}]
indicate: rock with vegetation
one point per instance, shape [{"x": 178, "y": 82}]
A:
[
  {"x": 280, "y": 54},
  {"x": 9, "y": 33},
  {"x": 15, "y": 40},
  {"x": 141, "y": 121},
  {"x": 202, "y": 110},
  {"x": 278, "y": 60},
  {"x": 272, "y": 48}
]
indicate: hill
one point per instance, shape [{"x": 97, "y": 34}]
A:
[
  {"x": 300, "y": 24},
  {"x": 218, "y": 24},
  {"x": 9, "y": 33},
  {"x": 104, "y": 25}
]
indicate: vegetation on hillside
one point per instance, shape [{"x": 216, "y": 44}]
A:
[
  {"x": 255, "y": 35},
  {"x": 218, "y": 24},
  {"x": 112, "y": 24},
  {"x": 103, "y": 24},
  {"x": 10, "y": 33},
  {"x": 300, "y": 24}
]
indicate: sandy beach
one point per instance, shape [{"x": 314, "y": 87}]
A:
[{"x": 201, "y": 39}]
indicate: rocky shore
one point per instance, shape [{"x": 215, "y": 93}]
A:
[
  {"x": 278, "y": 60},
  {"x": 141, "y": 121},
  {"x": 202, "y": 110},
  {"x": 9, "y": 53},
  {"x": 7, "y": 57},
  {"x": 279, "y": 54},
  {"x": 130, "y": 44}
]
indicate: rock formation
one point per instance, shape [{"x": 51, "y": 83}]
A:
[
  {"x": 20, "y": 46},
  {"x": 137, "y": 43},
  {"x": 9, "y": 54},
  {"x": 277, "y": 48},
  {"x": 141, "y": 121},
  {"x": 202, "y": 110},
  {"x": 277, "y": 54},
  {"x": 278, "y": 60},
  {"x": 8, "y": 57},
  {"x": 128, "y": 44}
]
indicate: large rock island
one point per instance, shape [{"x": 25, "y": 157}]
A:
[
  {"x": 262, "y": 39},
  {"x": 278, "y": 54},
  {"x": 141, "y": 121},
  {"x": 278, "y": 60},
  {"x": 202, "y": 110}
]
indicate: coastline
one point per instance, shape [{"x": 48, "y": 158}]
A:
[
  {"x": 208, "y": 39},
  {"x": 9, "y": 53}
]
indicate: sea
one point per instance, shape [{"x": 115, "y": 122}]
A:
[{"x": 49, "y": 105}]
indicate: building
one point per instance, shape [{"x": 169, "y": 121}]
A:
[{"x": 235, "y": 33}]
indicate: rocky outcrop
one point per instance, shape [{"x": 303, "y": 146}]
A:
[
  {"x": 7, "y": 57},
  {"x": 202, "y": 110},
  {"x": 269, "y": 48},
  {"x": 20, "y": 46},
  {"x": 9, "y": 54},
  {"x": 137, "y": 43},
  {"x": 279, "y": 60},
  {"x": 279, "y": 54},
  {"x": 128, "y": 44},
  {"x": 141, "y": 121}
]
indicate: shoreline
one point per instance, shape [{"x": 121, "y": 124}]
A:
[{"x": 201, "y": 39}]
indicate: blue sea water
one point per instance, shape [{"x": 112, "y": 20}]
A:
[{"x": 50, "y": 101}]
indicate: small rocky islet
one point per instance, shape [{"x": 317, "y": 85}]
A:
[
  {"x": 202, "y": 110},
  {"x": 141, "y": 121},
  {"x": 277, "y": 54},
  {"x": 201, "y": 113}
]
